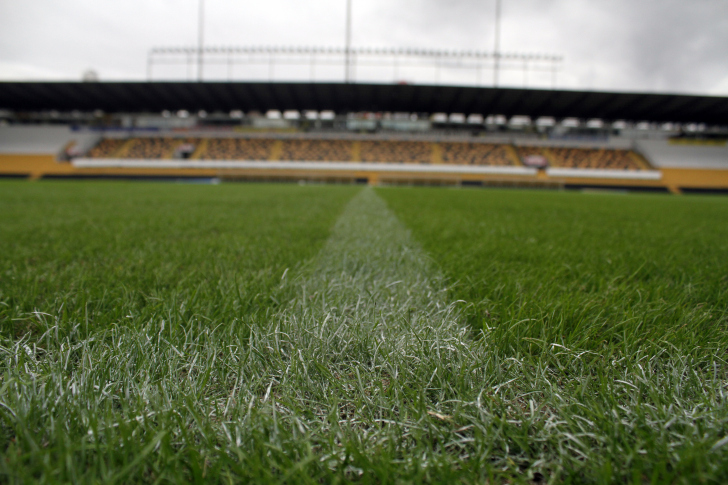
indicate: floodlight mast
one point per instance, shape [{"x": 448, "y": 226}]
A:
[
  {"x": 200, "y": 40},
  {"x": 347, "y": 61},
  {"x": 496, "y": 51}
]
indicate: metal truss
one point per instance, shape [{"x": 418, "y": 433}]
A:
[{"x": 393, "y": 58}]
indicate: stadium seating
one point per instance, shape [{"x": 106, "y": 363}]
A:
[
  {"x": 396, "y": 151},
  {"x": 476, "y": 154},
  {"x": 238, "y": 149},
  {"x": 154, "y": 147},
  {"x": 377, "y": 151},
  {"x": 527, "y": 151},
  {"x": 609, "y": 159},
  {"x": 106, "y": 148},
  {"x": 317, "y": 150},
  {"x": 593, "y": 158}
]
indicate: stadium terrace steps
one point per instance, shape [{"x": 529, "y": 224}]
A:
[
  {"x": 356, "y": 151},
  {"x": 513, "y": 155},
  {"x": 200, "y": 149},
  {"x": 436, "y": 153},
  {"x": 275, "y": 151},
  {"x": 640, "y": 160},
  {"x": 550, "y": 158}
]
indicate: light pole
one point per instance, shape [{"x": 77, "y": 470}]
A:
[
  {"x": 200, "y": 40},
  {"x": 496, "y": 51},
  {"x": 347, "y": 52}
]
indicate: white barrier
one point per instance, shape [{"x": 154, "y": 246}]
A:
[
  {"x": 611, "y": 143},
  {"x": 310, "y": 165},
  {"x": 604, "y": 174}
]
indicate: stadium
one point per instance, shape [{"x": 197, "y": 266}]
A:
[
  {"x": 333, "y": 278},
  {"x": 377, "y": 134}
]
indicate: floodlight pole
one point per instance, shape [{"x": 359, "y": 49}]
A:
[
  {"x": 496, "y": 51},
  {"x": 347, "y": 53},
  {"x": 149, "y": 65},
  {"x": 200, "y": 40}
]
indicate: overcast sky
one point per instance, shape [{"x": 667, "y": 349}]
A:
[{"x": 634, "y": 45}]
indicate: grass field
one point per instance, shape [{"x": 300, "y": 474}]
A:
[{"x": 167, "y": 333}]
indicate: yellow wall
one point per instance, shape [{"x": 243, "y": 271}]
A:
[{"x": 695, "y": 178}]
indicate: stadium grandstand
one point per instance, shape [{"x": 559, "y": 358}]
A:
[{"x": 378, "y": 134}]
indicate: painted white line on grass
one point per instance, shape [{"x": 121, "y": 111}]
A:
[
  {"x": 371, "y": 307},
  {"x": 371, "y": 267}
]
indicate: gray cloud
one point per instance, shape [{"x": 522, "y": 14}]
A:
[{"x": 647, "y": 45}]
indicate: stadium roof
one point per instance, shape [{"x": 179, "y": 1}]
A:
[{"x": 262, "y": 96}]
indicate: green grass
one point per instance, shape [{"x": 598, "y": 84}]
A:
[
  {"x": 583, "y": 270},
  {"x": 614, "y": 311},
  {"x": 106, "y": 253},
  {"x": 87, "y": 264},
  {"x": 178, "y": 333}
]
